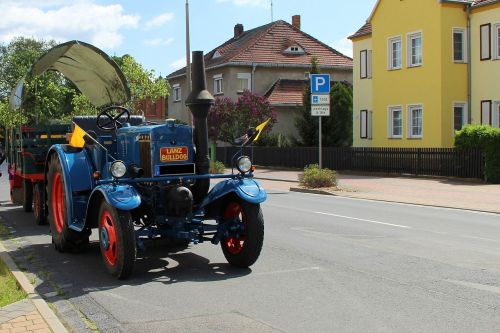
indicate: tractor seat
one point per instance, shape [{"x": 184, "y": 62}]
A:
[{"x": 89, "y": 123}]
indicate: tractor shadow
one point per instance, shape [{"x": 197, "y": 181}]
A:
[{"x": 74, "y": 274}]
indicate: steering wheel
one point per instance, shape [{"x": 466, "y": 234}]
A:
[{"x": 109, "y": 119}]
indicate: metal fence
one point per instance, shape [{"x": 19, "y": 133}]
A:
[{"x": 448, "y": 162}]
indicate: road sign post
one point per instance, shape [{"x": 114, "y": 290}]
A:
[{"x": 320, "y": 103}]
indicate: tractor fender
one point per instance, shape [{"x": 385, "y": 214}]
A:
[
  {"x": 247, "y": 189},
  {"x": 77, "y": 175},
  {"x": 120, "y": 196}
]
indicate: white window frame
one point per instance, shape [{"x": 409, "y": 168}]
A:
[
  {"x": 244, "y": 76},
  {"x": 496, "y": 51},
  {"x": 465, "y": 114},
  {"x": 390, "y": 125},
  {"x": 485, "y": 42},
  {"x": 365, "y": 64},
  {"x": 495, "y": 117},
  {"x": 363, "y": 124},
  {"x": 409, "y": 52},
  {"x": 409, "y": 116},
  {"x": 486, "y": 112},
  {"x": 463, "y": 32},
  {"x": 218, "y": 80},
  {"x": 177, "y": 92},
  {"x": 390, "y": 52}
]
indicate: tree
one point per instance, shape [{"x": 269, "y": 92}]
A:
[
  {"x": 336, "y": 128},
  {"x": 228, "y": 120}
]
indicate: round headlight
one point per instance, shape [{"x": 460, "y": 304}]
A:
[
  {"x": 243, "y": 164},
  {"x": 118, "y": 169}
]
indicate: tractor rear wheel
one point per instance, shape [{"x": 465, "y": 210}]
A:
[
  {"x": 27, "y": 195},
  {"x": 117, "y": 240},
  {"x": 243, "y": 249},
  {"x": 39, "y": 204},
  {"x": 64, "y": 239}
]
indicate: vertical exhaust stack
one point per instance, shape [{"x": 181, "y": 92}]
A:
[{"x": 199, "y": 102}]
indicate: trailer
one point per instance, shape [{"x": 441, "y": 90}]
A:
[{"x": 134, "y": 182}]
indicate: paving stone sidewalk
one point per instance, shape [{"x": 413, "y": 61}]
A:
[{"x": 22, "y": 316}]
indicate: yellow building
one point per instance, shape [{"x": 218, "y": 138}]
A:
[{"x": 414, "y": 82}]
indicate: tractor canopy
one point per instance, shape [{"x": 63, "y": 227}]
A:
[{"x": 93, "y": 72}]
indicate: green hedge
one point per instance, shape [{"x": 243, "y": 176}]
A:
[
  {"x": 314, "y": 177},
  {"x": 487, "y": 139}
]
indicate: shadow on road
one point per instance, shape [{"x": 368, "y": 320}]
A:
[{"x": 75, "y": 274}]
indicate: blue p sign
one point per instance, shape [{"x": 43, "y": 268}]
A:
[{"x": 320, "y": 83}]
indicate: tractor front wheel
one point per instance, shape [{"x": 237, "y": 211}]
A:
[
  {"x": 39, "y": 204},
  {"x": 64, "y": 239},
  {"x": 117, "y": 240},
  {"x": 243, "y": 248}
]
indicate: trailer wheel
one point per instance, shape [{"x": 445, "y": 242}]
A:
[
  {"x": 39, "y": 204},
  {"x": 64, "y": 239},
  {"x": 117, "y": 240},
  {"x": 27, "y": 195},
  {"x": 243, "y": 250}
]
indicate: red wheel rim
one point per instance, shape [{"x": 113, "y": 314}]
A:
[
  {"x": 58, "y": 202},
  {"x": 235, "y": 245},
  {"x": 36, "y": 202},
  {"x": 109, "y": 247}
]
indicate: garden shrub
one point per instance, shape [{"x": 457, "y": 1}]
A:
[
  {"x": 487, "y": 139},
  {"x": 314, "y": 177},
  {"x": 217, "y": 167}
]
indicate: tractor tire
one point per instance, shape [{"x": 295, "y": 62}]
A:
[
  {"x": 63, "y": 238},
  {"x": 244, "y": 250},
  {"x": 39, "y": 204},
  {"x": 27, "y": 195},
  {"x": 116, "y": 240}
]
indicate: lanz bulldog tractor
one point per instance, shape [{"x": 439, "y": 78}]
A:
[{"x": 141, "y": 182}]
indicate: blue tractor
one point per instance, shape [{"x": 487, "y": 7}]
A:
[{"x": 134, "y": 181}]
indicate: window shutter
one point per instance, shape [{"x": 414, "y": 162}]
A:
[
  {"x": 363, "y": 64},
  {"x": 389, "y": 123},
  {"x": 485, "y": 112},
  {"x": 369, "y": 64},
  {"x": 363, "y": 122},
  {"x": 485, "y": 41}
]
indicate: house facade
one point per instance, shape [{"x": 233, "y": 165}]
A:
[
  {"x": 259, "y": 60},
  {"x": 414, "y": 79}
]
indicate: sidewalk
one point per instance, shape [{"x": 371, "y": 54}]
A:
[
  {"x": 440, "y": 192},
  {"x": 31, "y": 314}
]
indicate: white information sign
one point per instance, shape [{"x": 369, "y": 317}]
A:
[
  {"x": 320, "y": 99},
  {"x": 320, "y": 110}
]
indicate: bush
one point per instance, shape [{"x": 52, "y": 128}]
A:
[
  {"x": 315, "y": 177},
  {"x": 217, "y": 167},
  {"x": 487, "y": 139}
]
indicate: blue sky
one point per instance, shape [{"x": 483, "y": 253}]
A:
[{"x": 153, "y": 31}]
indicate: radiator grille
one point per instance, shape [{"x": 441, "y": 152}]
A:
[
  {"x": 176, "y": 169},
  {"x": 145, "y": 152}
]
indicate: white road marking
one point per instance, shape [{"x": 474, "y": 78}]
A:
[
  {"x": 284, "y": 271},
  {"x": 365, "y": 220}
]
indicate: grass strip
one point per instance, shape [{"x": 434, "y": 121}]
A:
[{"x": 10, "y": 291}]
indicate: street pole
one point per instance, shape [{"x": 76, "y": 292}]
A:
[
  {"x": 320, "y": 157},
  {"x": 188, "y": 60}
]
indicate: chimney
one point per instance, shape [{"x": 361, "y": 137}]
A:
[
  {"x": 296, "y": 21},
  {"x": 238, "y": 30}
]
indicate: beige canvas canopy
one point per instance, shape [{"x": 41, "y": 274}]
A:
[{"x": 95, "y": 74}]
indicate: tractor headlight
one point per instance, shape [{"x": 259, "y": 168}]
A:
[
  {"x": 243, "y": 164},
  {"x": 118, "y": 169}
]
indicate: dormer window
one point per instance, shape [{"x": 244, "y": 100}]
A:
[
  {"x": 294, "y": 49},
  {"x": 216, "y": 55}
]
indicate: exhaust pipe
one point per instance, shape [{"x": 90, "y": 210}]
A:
[{"x": 199, "y": 102}]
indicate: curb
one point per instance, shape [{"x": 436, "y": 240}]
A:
[
  {"x": 311, "y": 191},
  {"x": 43, "y": 308}
]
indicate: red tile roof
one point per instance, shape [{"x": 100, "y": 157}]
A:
[
  {"x": 363, "y": 31},
  {"x": 265, "y": 45},
  {"x": 286, "y": 92}
]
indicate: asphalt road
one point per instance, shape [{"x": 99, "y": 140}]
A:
[{"x": 329, "y": 264}]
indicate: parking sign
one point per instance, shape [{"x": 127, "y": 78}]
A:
[{"x": 320, "y": 83}]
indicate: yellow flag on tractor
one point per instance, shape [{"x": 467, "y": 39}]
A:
[
  {"x": 77, "y": 136},
  {"x": 260, "y": 128}
]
